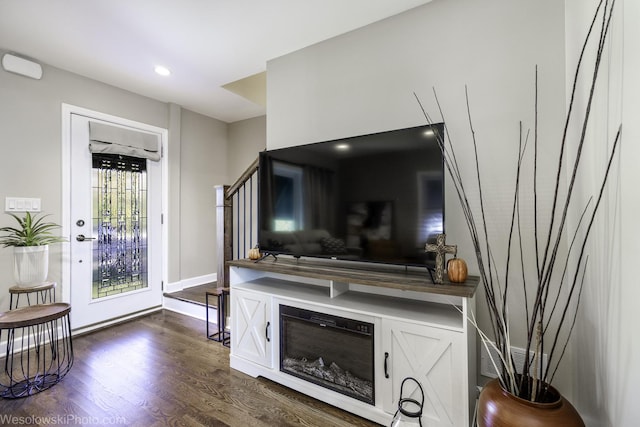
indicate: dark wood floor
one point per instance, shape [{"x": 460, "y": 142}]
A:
[{"x": 160, "y": 370}]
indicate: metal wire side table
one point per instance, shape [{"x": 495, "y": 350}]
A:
[
  {"x": 44, "y": 293},
  {"x": 39, "y": 348},
  {"x": 222, "y": 335}
]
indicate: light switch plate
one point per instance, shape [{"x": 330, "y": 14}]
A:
[{"x": 22, "y": 204}]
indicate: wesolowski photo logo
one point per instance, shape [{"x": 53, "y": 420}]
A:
[{"x": 60, "y": 420}]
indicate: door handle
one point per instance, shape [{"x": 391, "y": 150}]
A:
[
  {"x": 266, "y": 332},
  {"x": 386, "y": 358},
  {"x": 82, "y": 238}
]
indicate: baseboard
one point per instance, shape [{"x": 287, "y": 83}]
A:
[
  {"x": 189, "y": 309},
  {"x": 96, "y": 326},
  {"x": 193, "y": 281}
]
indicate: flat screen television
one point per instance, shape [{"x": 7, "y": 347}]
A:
[{"x": 374, "y": 198}]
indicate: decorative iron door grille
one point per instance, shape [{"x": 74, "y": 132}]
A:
[{"x": 119, "y": 191}]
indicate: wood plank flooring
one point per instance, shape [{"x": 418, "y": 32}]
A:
[{"x": 160, "y": 370}]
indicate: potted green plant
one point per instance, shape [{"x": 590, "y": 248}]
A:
[{"x": 30, "y": 241}]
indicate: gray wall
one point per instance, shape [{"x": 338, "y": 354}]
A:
[
  {"x": 30, "y": 160},
  {"x": 247, "y": 138},
  {"x": 363, "y": 82},
  {"x": 204, "y": 165}
]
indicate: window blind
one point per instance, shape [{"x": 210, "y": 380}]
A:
[{"x": 116, "y": 140}]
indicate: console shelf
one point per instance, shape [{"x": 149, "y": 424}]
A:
[
  {"x": 447, "y": 316},
  {"x": 391, "y": 277}
]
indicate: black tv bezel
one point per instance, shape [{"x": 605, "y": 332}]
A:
[{"x": 439, "y": 129}]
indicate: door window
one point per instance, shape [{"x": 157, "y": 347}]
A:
[{"x": 119, "y": 186}]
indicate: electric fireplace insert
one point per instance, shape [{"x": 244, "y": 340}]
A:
[{"x": 330, "y": 351}]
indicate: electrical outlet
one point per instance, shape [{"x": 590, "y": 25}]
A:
[
  {"x": 22, "y": 204},
  {"x": 487, "y": 368}
]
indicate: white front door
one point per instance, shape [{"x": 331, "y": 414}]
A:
[{"x": 115, "y": 230}]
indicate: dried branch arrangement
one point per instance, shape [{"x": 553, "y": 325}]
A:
[{"x": 551, "y": 312}]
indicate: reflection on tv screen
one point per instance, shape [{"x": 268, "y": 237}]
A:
[{"x": 376, "y": 197}]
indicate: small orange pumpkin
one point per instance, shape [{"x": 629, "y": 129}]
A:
[
  {"x": 254, "y": 253},
  {"x": 457, "y": 270}
]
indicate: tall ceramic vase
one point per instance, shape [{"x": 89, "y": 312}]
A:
[
  {"x": 499, "y": 408},
  {"x": 30, "y": 265}
]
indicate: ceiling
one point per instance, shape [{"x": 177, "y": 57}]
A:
[{"x": 207, "y": 44}]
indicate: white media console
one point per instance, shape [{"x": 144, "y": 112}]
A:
[{"x": 419, "y": 330}]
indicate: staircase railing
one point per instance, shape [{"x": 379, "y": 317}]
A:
[{"x": 237, "y": 220}]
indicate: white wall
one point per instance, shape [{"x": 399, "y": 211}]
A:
[
  {"x": 624, "y": 389},
  {"x": 363, "y": 82},
  {"x": 607, "y": 375}
]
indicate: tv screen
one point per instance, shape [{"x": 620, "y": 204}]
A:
[{"x": 376, "y": 198}]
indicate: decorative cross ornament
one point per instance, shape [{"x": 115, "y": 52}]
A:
[{"x": 440, "y": 249}]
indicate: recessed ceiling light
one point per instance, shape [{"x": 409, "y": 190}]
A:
[
  {"x": 163, "y": 71},
  {"x": 428, "y": 132},
  {"x": 342, "y": 147}
]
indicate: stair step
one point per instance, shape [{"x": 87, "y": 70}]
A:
[
  {"x": 194, "y": 309},
  {"x": 187, "y": 299}
]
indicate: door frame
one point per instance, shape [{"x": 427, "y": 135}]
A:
[{"x": 67, "y": 111}]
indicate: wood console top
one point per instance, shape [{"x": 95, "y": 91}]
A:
[{"x": 394, "y": 277}]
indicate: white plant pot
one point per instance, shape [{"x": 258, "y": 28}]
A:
[{"x": 30, "y": 265}]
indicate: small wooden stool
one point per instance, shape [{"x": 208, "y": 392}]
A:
[
  {"x": 222, "y": 335},
  {"x": 39, "y": 348},
  {"x": 45, "y": 293}
]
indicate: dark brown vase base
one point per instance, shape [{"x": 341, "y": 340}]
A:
[{"x": 498, "y": 408}]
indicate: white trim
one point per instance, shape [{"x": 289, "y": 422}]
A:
[
  {"x": 66, "y": 201},
  {"x": 173, "y": 287},
  {"x": 200, "y": 280},
  {"x": 190, "y": 309},
  {"x": 67, "y": 111},
  {"x": 191, "y": 282},
  {"x": 84, "y": 330},
  {"x": 90, "y": 328}
]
